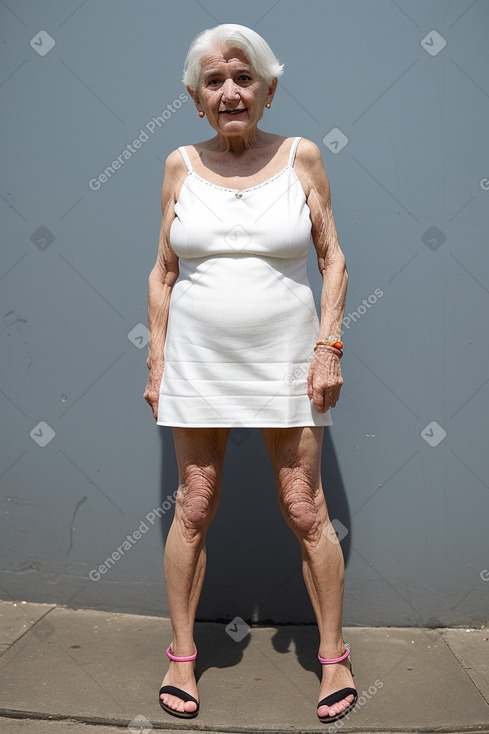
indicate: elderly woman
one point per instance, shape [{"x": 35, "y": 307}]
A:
[{"x": 235, "y": 339}]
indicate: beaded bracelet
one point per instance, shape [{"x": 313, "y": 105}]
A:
[
  {"x": 329, "y": 343},
  {"x": 330, "y": 348}
]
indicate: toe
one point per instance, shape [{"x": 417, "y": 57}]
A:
[
  {"x": 324, "y": 711},
  {"x": 176, "y": 704},
  {"x": 336, "y": 708}
]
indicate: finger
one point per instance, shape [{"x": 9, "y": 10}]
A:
[
  {"x": 338, "y": 390},
  {"x": 328, "y": 403},
  {"x": 318, "y": 400},
  {"x": 152, "y": 402},
  {"x": 331, "y": 398}
]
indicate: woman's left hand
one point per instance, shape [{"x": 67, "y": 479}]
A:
[{"x": 324, "y": 380}]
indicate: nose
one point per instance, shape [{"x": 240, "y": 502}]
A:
[{"x": 230, "y": 91}]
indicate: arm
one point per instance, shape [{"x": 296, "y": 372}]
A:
[
  {"x": 161, "y": 281},
  {"x": 324, "y": 378}
]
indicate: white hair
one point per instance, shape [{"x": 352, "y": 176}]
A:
[{"x": 226, "y": 36}]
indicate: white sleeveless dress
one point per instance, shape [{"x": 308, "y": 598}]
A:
[{"x": 242, "y": 321}]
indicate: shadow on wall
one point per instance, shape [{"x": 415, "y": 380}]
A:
[{"x": 254, "y": 568}]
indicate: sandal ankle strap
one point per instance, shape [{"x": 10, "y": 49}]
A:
[
  {"x": 178, "y": 658},
  {"x": 331, "y": 661}
]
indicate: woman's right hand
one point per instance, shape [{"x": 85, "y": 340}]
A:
[{"x": 152, "y": 391}]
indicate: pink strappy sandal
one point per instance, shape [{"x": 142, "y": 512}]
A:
[
  {"x": 174, "y": 691},
  {"x": 338, "y": 695}
]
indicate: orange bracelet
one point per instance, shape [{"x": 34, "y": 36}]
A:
[
  {"x": 330, "y": 347},
  {"x": 336, "y": 345}
]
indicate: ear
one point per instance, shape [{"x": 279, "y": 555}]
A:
[
  {"x": 271, "y": 89},
  {"x": 195, "y": 97}
]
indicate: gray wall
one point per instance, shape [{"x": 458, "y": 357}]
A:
[{"x": 83, "y": 465}]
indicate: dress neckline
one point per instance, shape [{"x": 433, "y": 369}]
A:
[{"x": 250, "y": 188}]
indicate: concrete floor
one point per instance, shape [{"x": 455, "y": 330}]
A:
[{"x": 100, "y": 672}]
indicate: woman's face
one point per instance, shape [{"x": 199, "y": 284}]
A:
[{"x": 230, "y": 92}]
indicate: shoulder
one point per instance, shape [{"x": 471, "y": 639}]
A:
[
  {"x": 308, "y": 152},
  {"x": 174, "y": 162},
  {"x": 175, "y": 170},
  {"x": 174, "y": 175},
  {"x": 310, "y": 168}
]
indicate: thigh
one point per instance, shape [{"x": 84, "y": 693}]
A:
[
  {"x": 295, "y": 452},
  {"x": 200, "y": 458},
  {"x": 200, "y": 453}
]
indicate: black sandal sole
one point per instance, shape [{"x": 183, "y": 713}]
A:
[
  {"x": 334, "y": 698},
  {"x": 179, "y": 693}
]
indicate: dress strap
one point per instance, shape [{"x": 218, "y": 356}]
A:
[
  {"x": 185, "y": 157},
  {"x": 293, "y": 150}
]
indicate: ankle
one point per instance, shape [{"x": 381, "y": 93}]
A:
[
  {"x": 332, "y": 649},
  {"x": 185, "y": 649}
]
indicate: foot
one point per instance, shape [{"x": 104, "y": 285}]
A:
[
  {"x": 180, "y": 675},
  {"x": 335, "y": 677}
]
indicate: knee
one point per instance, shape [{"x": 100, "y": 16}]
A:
[
  {"x": 196, "y": 500},
  {"x": 300, "y": 506}
]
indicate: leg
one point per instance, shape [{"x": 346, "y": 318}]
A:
[
  {"x": 295, "y": 454},
  {"x": 200, "y": 456}
]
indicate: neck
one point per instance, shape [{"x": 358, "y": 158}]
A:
[{"x": 239, "y": 143}]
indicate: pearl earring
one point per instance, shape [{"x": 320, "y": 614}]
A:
[
  {"x": 268, "y": 105},
  {"x": 201, "y": 114}
]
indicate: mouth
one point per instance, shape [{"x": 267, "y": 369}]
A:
[{"x": 233, "y": 112}]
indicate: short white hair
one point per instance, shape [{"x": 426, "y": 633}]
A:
[{"x": 227, "y": 36}]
